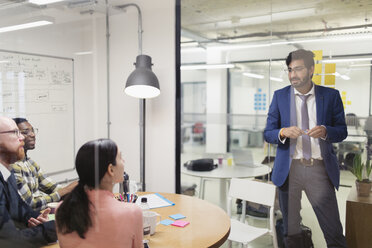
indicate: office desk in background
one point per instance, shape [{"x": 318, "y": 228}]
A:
[
  {"x": 224, "y": 173},
  {"x": 209, "y": 224},
  {"x": 356, "y": 137}
]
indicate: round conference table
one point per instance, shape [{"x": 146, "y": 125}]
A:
[
  {"x": 209, "y": 224},
  {"x": 224, "y": 173}
]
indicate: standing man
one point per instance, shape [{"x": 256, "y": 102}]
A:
[
  {"x": 20, "y": 226},
  {"x": 35, "y": 188},
  {"x": 304, "y": 120}
]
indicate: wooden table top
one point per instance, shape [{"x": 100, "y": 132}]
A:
[{"x": 209, "y": 224}]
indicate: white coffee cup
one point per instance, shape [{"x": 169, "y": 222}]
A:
[
  {"x": 52, "y": 206},
  {"x": 150, "y": 217},
  {"x": 133, "y": 188}
]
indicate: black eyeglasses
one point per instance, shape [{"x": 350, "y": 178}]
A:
[
  {"x": 15, "y": 131},
  {"x": 296, "y": 69},
  {"x": 29, "y": 131}
]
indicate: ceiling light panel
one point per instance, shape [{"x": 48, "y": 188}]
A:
[
  {"x": 345, "y": 60},
  {"x": 44, "y": 2},
  {"x": 253, "y": 75},
  {"x": 25, "y": 26},
  {"x": 206, "y": 66}
]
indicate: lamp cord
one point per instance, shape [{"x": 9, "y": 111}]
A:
[{"x": 140, "y": 31}]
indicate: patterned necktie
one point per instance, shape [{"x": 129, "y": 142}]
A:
[{"x": 306, "y": 145}]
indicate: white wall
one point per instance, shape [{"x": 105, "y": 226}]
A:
[
  {"x": 193, "y": 76},
  {"x": 159, "y": 43}
]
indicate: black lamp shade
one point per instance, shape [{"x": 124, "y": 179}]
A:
[{"x": 142, "y": 82}]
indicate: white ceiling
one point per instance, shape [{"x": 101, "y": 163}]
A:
[
  {"x": 228, "y": 21},
  {"x": 61, "y": 12},
  {"x": 225, "y": 21}
]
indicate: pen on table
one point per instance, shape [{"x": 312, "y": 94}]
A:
[
  {"x": 121, "y": 197},
  {"x": 135, "y": 198},
  {"x": 128, "y": 197}
]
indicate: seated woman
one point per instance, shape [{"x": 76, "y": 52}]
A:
[{"x": 90, "y": 216}]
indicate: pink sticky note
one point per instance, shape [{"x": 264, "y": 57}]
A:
[{"x": 180, "y": 223}]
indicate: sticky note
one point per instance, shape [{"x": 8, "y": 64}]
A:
[
  {"x": 317, "y": 68},
  {"x": 318, "y": 55},
  {"x": 177, "y": 216},
  {"x": 329, "y": 80},
  {"x": 51, "y": 216},
  {"x": 330, "y": 68},
  {"x": 166, "y": 222},
  {"x": 180, "y": 223},
  {"x": 317, "y": 79}
]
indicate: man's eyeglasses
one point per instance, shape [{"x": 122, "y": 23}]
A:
[
  {"x": 15, "y": 131},
  {"x": 296, "y": 69},
  {"x": 29, "y": 131}
]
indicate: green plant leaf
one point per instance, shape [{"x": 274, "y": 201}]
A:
[
  {"x": 357, "y": 169},
  {"x": 368, "y": 168}
]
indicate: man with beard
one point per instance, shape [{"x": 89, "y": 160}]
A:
[
  {"x": 20, "y": 226},
  {"x": 304, "y": 120},
  {"x": 35, "y": 188}
]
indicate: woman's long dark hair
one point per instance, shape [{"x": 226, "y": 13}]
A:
[{"x": 92, "y": 161}]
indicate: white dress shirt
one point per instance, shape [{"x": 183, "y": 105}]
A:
[
  {"x": 5, "y": 172},
  {"x": 311, "y": 109}
]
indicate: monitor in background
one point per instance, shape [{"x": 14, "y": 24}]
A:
[{"x": 244, "y": 158}]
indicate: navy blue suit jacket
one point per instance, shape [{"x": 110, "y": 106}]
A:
[
  {"x": 330, "y": 113},
  {"x": 14, "y": 214}
]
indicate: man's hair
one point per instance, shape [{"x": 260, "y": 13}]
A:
[
  {"x": 305, "y": 55},
  {"x": 19, "y": 120}
]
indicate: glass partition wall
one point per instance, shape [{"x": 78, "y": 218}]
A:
[
  {"x": 35, "y": 40},
  {"x": 224, "y": 109}
]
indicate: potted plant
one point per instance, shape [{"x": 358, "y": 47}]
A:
[{"x": 363, "y": 184}]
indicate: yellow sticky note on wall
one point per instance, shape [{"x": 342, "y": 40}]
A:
[
  {"x": 317, "y": 79},
  {"x": 317, "y": 68},
  {"x": 330, "y": 68},
  {"x": 329, "y": 80},
  {"x": 318, "y": 55}
]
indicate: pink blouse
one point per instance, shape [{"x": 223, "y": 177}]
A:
[{"x": 115, "y": 224}]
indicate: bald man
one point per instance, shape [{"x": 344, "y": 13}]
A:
[{"x": 20, "y": 226}]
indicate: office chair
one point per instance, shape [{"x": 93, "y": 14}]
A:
[
  {"x": 352, "y": 120},
  {"x": 198, "y": 132},
  {"x": 253, "y": 191}
]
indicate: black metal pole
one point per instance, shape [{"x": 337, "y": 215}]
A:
[{"x": 142, "y": 142}]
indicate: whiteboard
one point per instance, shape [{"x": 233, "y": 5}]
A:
[{"x": 40, "y": 88}]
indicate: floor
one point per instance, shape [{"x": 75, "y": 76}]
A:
[{"x": 192, "y": 151}]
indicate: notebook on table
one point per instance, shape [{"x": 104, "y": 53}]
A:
[{"x": 155, "y": 200}]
